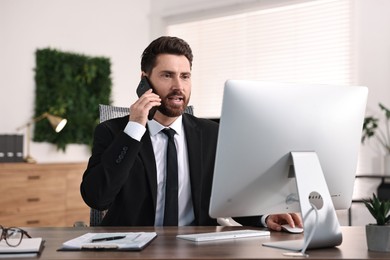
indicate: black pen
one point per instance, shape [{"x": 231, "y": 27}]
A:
[{"x": 107, "y": 238}]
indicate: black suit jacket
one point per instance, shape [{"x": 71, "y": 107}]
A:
[{"x": 121, "y": 174}]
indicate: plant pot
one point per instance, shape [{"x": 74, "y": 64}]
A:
[{"x": 378, "y": 238}]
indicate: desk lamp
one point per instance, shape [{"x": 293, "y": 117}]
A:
[{"x": 56, "y": 122}]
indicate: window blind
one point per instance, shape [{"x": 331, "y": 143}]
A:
[{"x": 309, "y": 42}]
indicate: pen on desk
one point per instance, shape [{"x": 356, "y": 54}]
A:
[{"x": 107, "y": 238}]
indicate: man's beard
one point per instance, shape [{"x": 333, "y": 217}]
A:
[{"x": 173, "y": 111}]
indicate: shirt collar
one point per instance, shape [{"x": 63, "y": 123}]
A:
[{"x": 155, "y": 127}]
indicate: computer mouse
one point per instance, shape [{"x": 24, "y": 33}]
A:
[{"x": 290, "y": 229}]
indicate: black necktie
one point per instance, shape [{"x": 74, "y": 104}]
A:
[{"x": 171, "y": 183}]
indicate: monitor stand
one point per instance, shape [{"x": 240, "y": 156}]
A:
[{"x": 320, "y": 230}]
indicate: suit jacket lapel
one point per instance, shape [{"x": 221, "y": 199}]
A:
[{"x": 194, "y": 137}]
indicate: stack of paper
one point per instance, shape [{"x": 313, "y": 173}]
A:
[{"x": 128, "y": 241}]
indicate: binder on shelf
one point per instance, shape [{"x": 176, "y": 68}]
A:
[
  {"x": 9, "y": 148},
  {"x": 3, "y": 149},
  {"x": 18, "y": 143}
]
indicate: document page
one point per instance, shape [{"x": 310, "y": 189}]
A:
[{"x": 116, "y": 240}]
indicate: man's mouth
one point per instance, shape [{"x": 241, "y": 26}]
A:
[{"x": 176, "y": 98}]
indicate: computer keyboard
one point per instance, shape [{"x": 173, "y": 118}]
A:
[{"x": 231, "y": 234}]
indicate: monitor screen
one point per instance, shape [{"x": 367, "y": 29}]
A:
[{"x": 262, "y": 123}]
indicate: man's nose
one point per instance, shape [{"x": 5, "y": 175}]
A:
[{"x": 177, "y": 83}]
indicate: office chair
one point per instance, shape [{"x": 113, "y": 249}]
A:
[{"x": 107, "y": 112}]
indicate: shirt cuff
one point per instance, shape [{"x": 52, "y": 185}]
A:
[
  {"x": 135, "y": 130},
  {"x": 263, "y": 220}
]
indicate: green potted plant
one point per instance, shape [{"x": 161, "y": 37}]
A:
[
  {"x": 371, "y": 128},
  {"x": 378, "y": 235}
]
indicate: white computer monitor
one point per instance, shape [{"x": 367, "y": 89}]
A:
[{"x": 263, "y": 126}]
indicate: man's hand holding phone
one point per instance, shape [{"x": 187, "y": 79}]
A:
[{"x": 146, "y": 106}]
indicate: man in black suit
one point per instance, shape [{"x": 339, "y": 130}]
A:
[{"x": 126, "y": 173}]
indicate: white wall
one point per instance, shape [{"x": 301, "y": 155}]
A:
[
  {"x": 373, "y": 63},
  {"x": 116, "y": 29}
]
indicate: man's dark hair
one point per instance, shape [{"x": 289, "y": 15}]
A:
[{"x": 164, "y": 45}]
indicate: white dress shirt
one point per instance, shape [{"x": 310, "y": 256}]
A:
[{"x": 159, "y": 142}]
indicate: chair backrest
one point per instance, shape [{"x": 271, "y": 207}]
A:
[{"x": 107, "y": 112}]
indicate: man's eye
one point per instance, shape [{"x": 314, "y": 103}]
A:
[{"x": 186, "y": 76}]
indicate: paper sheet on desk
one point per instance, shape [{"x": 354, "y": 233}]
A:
[{"x": 132, "y": 241}]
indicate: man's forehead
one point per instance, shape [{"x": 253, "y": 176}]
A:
[{"x": 172, "y": 62}]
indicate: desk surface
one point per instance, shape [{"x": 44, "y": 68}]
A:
[{"x": 167, "y": 246}]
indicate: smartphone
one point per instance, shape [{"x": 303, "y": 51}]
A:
[{"x": 143, "y": 86}]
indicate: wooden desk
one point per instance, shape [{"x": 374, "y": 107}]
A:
[{"x": 167, "y": 246}]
